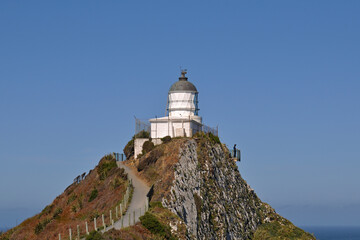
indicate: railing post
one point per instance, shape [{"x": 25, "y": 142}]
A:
[
  {"x": 110, "y": 216},
  {"x": 59, "y": 236},
  {"x": 70, "y": 234},
  {"x": 116, "y": 212},
  {"x": 78, "y": 232},
  {"x": 103, "y": 221},
  {"x": 95, "y": 224},
  {"x": 86, "y": 228},
  {"x": 134, "y": 217}
]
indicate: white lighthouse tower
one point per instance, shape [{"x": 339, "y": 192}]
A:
[{"x": 182, "y": 118}]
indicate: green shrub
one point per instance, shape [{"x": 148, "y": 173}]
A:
[
  {"x": 105, "y": 166},
  {"x": 156, "y": 204},
  {"x": 166, "y": 139},
  {"x": 93, "y": 195},
  {"x": 129, "y": 149},
  {"x": 71, "y": 198},
  {"x": 41, "y": 225},
  {"x": 142, "y": 134},
  {"x": 57, "y": 213},
  {"x": 150, "y": 222},
  {"x": 74, "y": 208},
  {"x": 147, "y": 147},
  {"x": 94, "y": 235},
  {"x": 80, "y": 203},
  {"x": 38, "y": 228},
  {"x": 213, "y": 138}
]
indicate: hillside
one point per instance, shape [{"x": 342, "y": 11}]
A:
[
  {"x": 198, "y": 182},
  {"x": 99, "y": 192},
  {"x": 198, "y": 193}
]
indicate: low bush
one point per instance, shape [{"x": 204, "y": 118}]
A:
[
  {"x": 213, "y": 138},
  {"x": 41, "y": 225},
  {"x": 94, "y": 235},
  {"x": 166, "y": 139},
  {"x": 93, "y": 195},
  {"x": 105, "y": 166},
  {"x": 129, "y": 149},
  {"x": 57, "y": 213},
  {"x": 147, "y": 147},
  {"x": 71, "y": 198},
  {"x": 152, "y": 224},
  {"x": 151, "y": 159}
]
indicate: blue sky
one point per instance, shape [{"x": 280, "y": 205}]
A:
[{"x": 280, "y": 78}]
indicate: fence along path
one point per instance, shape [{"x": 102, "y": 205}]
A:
[
  {"x": 137, "y": 207},
  {"x": 138, "y": 201}
]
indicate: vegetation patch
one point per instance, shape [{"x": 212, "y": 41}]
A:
[
  {"x": 150, "y": 159},
  {"x": 94, "y": 235},
  {"x": 166, "y": 139},
  {"x": 41, "y": 225},
  {"x": 275, "y": 230},
  {"x": 105, "y": 166},
  {"x": 150, "y": 222},
  {"x": 147, "y": 147},
  {"x": 57, "y": 213},
  {"x": 93, "y": 195}
]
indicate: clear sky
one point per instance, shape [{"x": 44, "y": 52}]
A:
[{"x": 280, "y": 78}]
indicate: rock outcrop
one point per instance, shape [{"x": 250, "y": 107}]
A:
[{"x": 210, "y": 196}]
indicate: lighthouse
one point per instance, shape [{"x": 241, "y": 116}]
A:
[
  {"x": 182, "y": 117},
  {"x": 182, "y": 112}
]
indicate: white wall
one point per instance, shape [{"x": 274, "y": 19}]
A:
[
  {"x": 181, "y": 104},
  {"x": 138, "y": 145},
  {"x": 172, "y": 127}
]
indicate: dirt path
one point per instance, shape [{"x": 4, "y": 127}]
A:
[{"x": 138, "y": 199}]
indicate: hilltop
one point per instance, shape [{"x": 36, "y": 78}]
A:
[
  {"x": 197, "y": 180},
  {"x": 197, "y": 192}
]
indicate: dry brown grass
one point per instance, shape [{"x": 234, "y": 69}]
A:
[
  {"x": 76, "y": 208},
  {"x": 137, "y": 232},
  {"x": 157, "y": 166}
]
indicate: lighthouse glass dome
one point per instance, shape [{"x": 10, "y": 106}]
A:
[{"x": 182, "y": 98}]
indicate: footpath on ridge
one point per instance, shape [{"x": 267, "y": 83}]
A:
[{"x": 138, "y": 200}]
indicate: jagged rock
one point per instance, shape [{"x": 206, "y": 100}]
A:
[{"x": 210, "y": 196}]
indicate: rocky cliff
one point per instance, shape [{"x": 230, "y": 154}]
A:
[{"x": 201, "y": 184}]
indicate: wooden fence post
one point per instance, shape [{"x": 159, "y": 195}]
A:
[
  {"x": 86, "y": 228},
  {"x": 95, "y": 224},
  {"x": 134, "y": 217},
  {"x": 78, "y": 232},
  {"x": 59, "y": 236},
  {"x": 103, "y": 221},
  {"x": 70, "y": 234}
]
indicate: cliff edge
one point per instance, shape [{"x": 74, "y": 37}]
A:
[{"x": 197, "y": 180}]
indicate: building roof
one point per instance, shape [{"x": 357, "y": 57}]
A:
[{"x": 183, "y": 85}]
